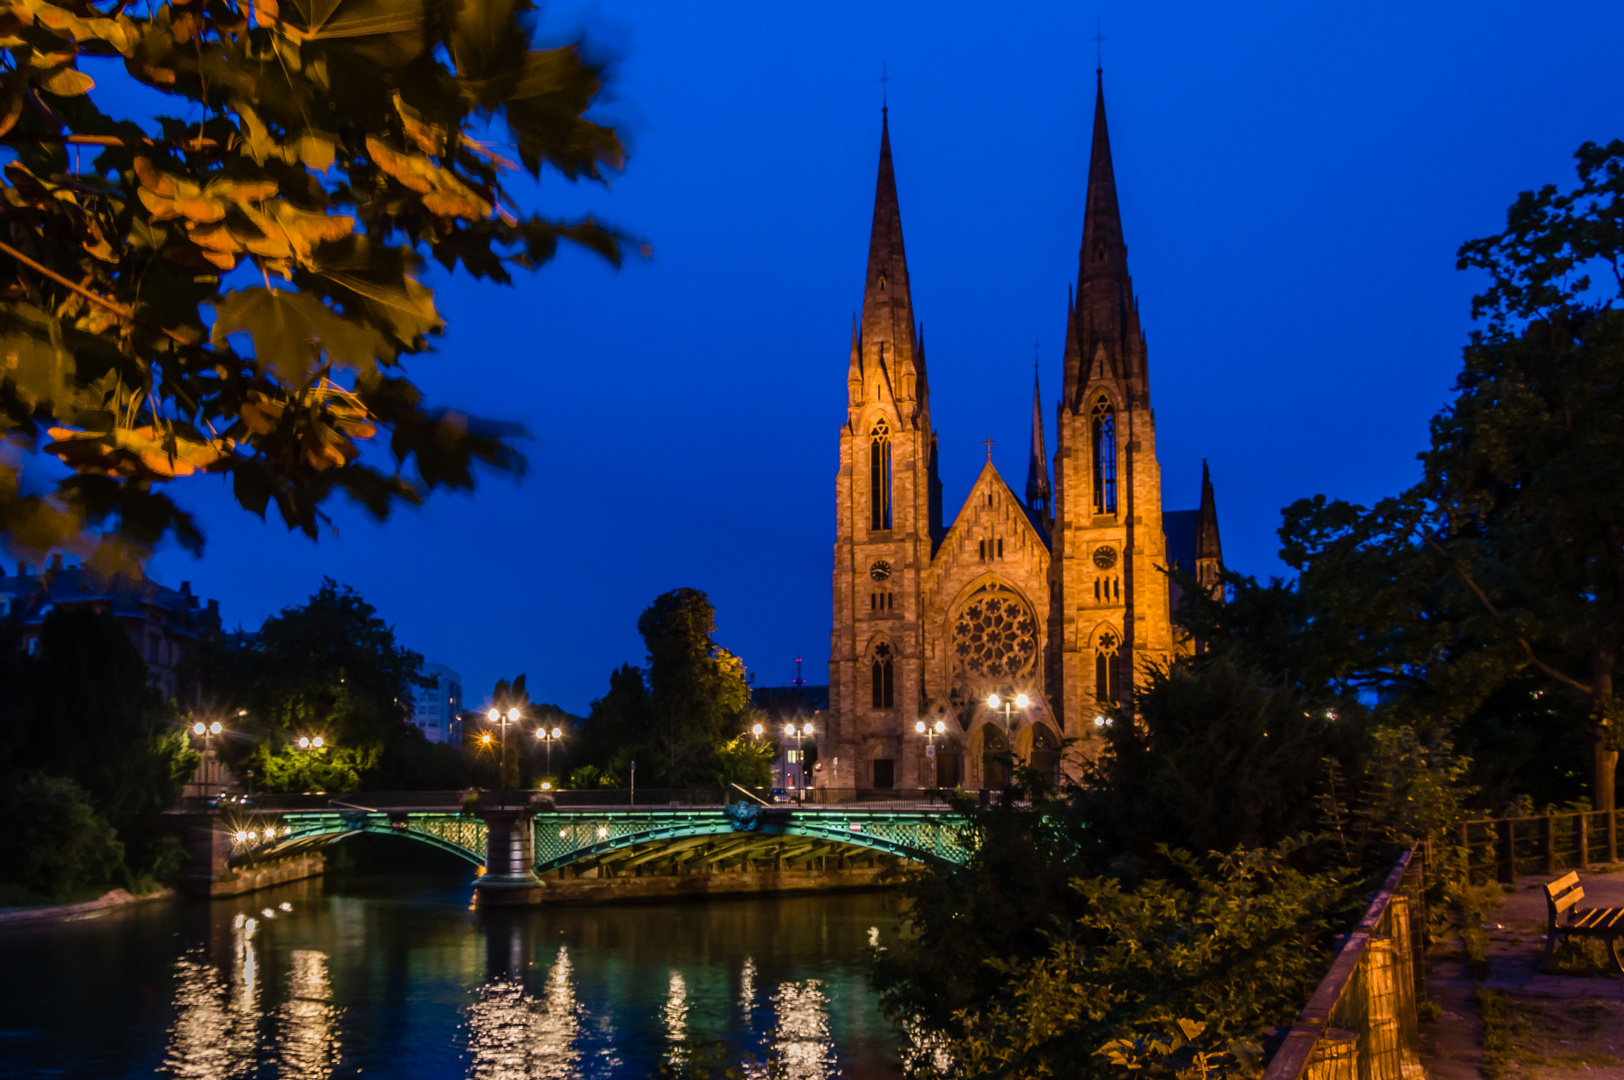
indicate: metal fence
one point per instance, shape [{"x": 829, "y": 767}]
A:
[
  {"x": 1506, "y": 848},
  {"x": 1361, "y": 1022}
]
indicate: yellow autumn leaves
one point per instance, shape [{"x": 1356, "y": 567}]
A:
[{"x": 276, "y": 230}]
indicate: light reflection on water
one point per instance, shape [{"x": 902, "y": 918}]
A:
[
  {"x": 513, "y": 1035},
  {"x": 342, "y": 985}
]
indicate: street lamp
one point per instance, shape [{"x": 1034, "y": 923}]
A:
[
  {"x": 208, "y": 731},
  {"x": 510, "y": 717},
  {"x": 1004, "y": 705},
  {"x": 800, "y": 735},
  {"x": 930, "y": 734},
  {"x": 548, "y": 737},
  {"x": 307, "y": 743}
]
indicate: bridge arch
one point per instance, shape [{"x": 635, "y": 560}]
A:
[
  {"x": 460, "y": 835},
  {"x": 562, "y": 839},
  {"x": 565, "y": 837}
]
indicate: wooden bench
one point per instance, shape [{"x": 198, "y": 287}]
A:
[{"x": 1562, "y": 897}]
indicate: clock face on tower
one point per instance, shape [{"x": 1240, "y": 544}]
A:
[
  {"x": 1105, "y": 557},
  {"x": 880, "y": 570}
]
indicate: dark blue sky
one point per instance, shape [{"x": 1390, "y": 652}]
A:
[{"x": 1295, "y": 180}]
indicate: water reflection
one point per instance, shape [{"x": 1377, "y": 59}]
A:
[
  {"x": 378, "y": 981},
  {"x": 216, "y": 1025},
  {"x": 675, "y": 1015},
  {"x": 308, "y": 1044},
  {"x": 514, "y": 1036},
  {"x": 802, "y": 1047}
]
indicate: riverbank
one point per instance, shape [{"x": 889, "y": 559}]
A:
[{"x": 110, "y": 901}]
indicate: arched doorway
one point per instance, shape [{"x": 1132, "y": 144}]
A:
[
  {"x": 994, "y": 757},
  {"x": 1044, "y": 758}
]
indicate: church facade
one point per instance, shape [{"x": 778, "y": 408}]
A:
[{"x": 1057, "y": 597}]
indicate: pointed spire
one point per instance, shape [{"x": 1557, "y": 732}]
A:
[
  {"x": 854, "y": 371},
  {"x": 887, "y": 302},
  {"x": 1037, "y": 467},
  {"x": 1106, "y": 312},
  {"x": 1206, "y": 535},
  {"x": 1071, "y": 360}
]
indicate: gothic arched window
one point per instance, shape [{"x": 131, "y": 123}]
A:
[
  {"x": 879, "y": 478},
  {"x": 1105, "y": 668},
  {"x": 1105, "y": 458},
  {"x": 884, "y": 695}
]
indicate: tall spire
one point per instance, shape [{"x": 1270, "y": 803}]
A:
[
  {"x": 1105, "y": 305},
  {"x": 888, "y": 318},
  {"x": 1037, "y": 466},
  {"x": 1206, "y": 519}
]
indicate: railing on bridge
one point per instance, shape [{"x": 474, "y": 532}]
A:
[
  {"x": 1361, "y": 1022},
  {"x": 1506, "y": 848}
]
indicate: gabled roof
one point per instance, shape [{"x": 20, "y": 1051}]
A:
[{"x": 990, "y": 479}]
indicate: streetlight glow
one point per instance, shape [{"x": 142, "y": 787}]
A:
[
  {"x": 919, "y": 726},
  {"x": 316, "y": 742},
  {"x": 808, "y": 730},
  {"x": 513, "y": 714},
  {"x": 485, "y": 738},
  {"x": 215, "y": 728},
  {"x": 757, "y": 730},
  {"x": 994, "y": 701},
  {"x": 494, "y": 715},
  {"x": 304, "y": 742},
  {"x": 941, "y": 726},
  {"x": 558, "y": 733},
  {"x": 789, "y": 729},
  {"x": 198, "y": 728},
  {"x": 1022, "y": 701}
]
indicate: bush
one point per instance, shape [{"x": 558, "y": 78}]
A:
[{"x": 55, "y": 846}]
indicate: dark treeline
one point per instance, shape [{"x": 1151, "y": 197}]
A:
[{"x": 90, "y": 756}]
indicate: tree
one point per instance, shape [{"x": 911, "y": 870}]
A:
[
  {"x": 330, "y": 667},
  {"x": 679, "y": 715},
  {"x": 235, "y": 289},
  {"x": 697, "y": 689},
  {"x": 79, "y": 708},
  {"x": 1493, "y": 589}
]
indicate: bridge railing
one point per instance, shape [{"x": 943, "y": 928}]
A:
[{"x": 1361, "y": 1022}]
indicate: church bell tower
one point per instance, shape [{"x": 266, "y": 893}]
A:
[
  {"x": 888, "y": 501},
  {"x": 1111, "y": 606}
]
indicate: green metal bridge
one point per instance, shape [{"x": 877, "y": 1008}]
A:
[{"x": 622, "y": 836}]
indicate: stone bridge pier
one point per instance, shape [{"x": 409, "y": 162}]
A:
[{"x": 509, "y": 877}]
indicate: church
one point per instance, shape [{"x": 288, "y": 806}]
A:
[{"x": 1012, "y": 627}]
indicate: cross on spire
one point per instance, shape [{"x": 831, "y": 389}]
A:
[
  {"x": 1099, "y": 38},
  {"x": 988, "y": 444},
  {"x": 885, "y": 104}
]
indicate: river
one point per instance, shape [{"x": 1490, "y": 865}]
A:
[{"x": 396, "y": 976}]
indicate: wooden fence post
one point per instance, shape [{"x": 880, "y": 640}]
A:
[
  {"x": 1612, "y": 836},
  {"x": 1508, "y": 864},
  {"x": 1583, "y": 825}
]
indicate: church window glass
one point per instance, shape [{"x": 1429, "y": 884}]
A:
[
  {"x": 995, "y": 636},
  {"x": 879, "y": 467},
  {"x": 884, "y": 693},
  {"x": 1105, "y": 668},
  {"x": 1105, "y": 458}
]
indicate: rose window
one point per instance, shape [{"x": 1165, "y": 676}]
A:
[{"x": 995, "y": 636}]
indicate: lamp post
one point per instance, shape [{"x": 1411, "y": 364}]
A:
[
  {"x": 497, "y": 716},
  {"x": 208, "y": 731},
  {"x": 548, "y": 736},
  {"x": 997, "y": 704},
  {"x": 800, "y": 735},
  {"x": 930, "y": 733}
]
